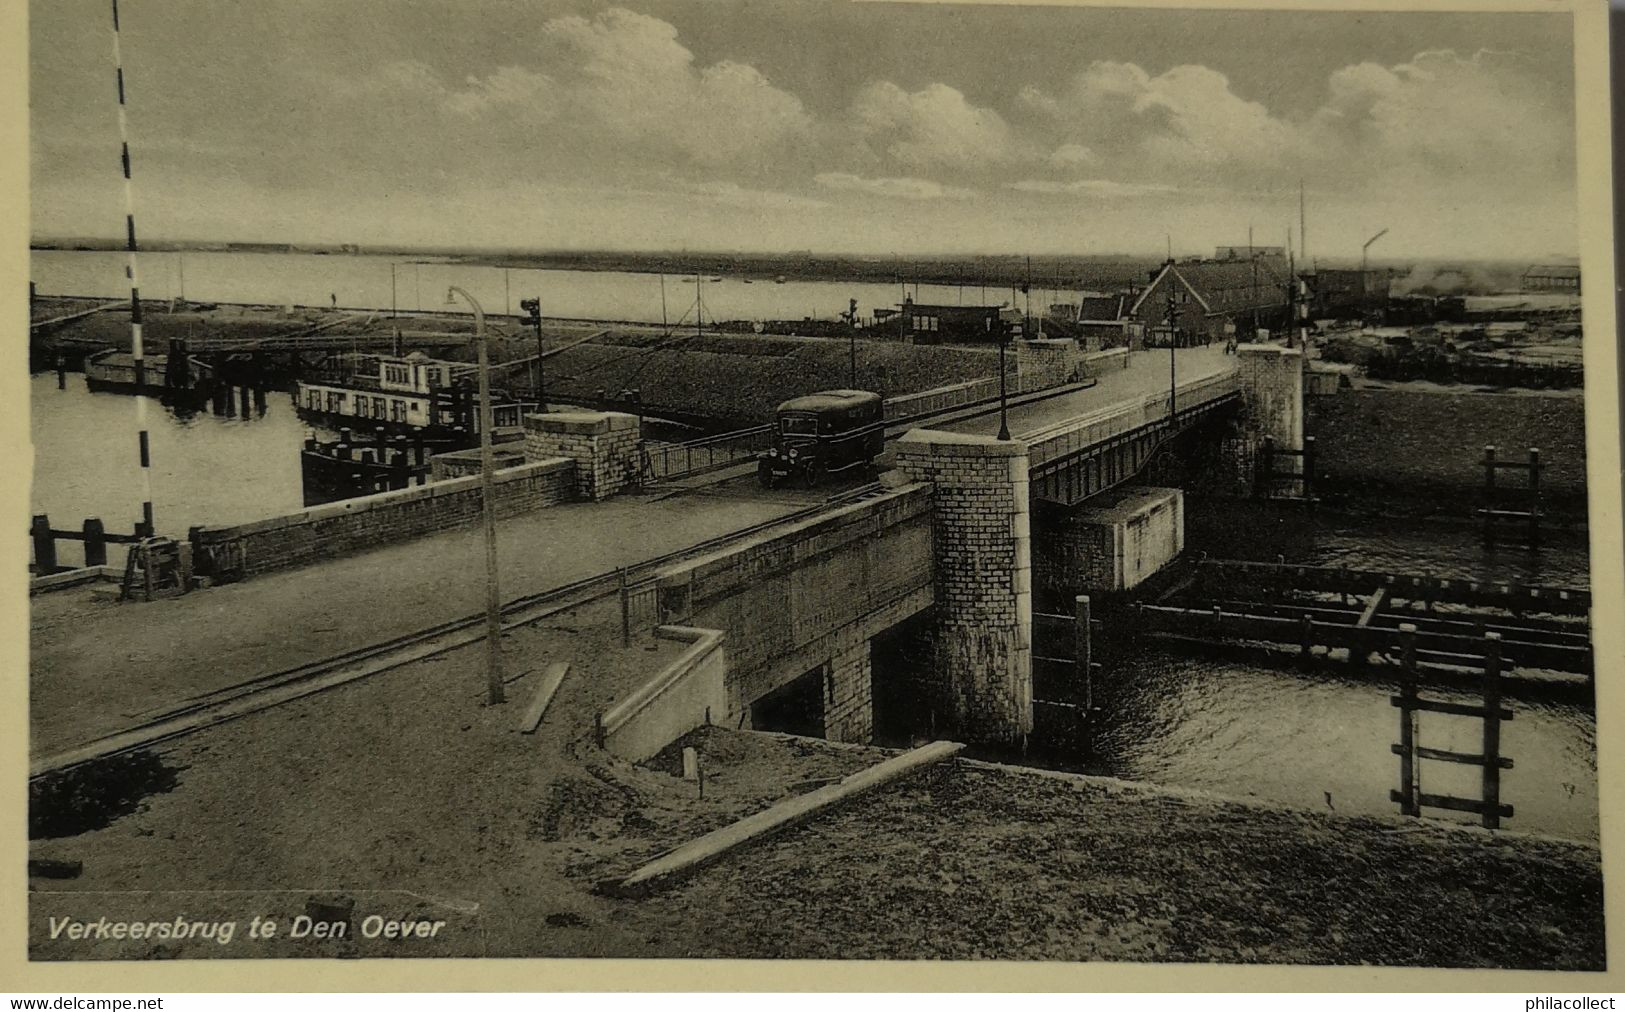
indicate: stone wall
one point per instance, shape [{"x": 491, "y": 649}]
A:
[
  {"x": 810, "y": 595},
  {"x": 1427, "y": 445},
  {"x": 462, "y": 463},
  {"x": 351, "y": 525},
  {"x": 678, "y": 699},
  {"x": 982, "y": 555},
  {"x": 604, "y": 444},
  {"x": 1047, "y": 362}
]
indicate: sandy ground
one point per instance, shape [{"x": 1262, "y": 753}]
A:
[{"x": 406, "y": 797}]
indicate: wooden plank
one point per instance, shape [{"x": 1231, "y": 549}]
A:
[
  {"x": 1453, "y": 709},
  {"x": 1373, "y": 607},
  {"x": 1453, "y": 804},
  {"x": 1445, "y": 755},
  {"x": 552, "y": 677},
  {"x": 697, "y": 853}
]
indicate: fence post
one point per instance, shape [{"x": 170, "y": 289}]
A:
[
  {"x": 1306, "y": 636},
  {"x": 1492, "y": 731},
  {"x": 44, "y": 545},
  {"x": 1408, "y": 787},
  {"x": 95, "y": 542}
]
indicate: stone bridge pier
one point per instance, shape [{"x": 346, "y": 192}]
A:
[
  {"x": 1272, "y": 390},
  {"x": 980, "y": 683}
]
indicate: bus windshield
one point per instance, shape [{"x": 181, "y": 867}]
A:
[{"x": 793, "y": 425}]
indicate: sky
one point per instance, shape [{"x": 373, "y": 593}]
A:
[{"x": 806, "y": 125}]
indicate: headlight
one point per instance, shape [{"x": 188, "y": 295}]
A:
[
  {"x": 792, "y": 455},
  {"x": 773, "y": 452}
]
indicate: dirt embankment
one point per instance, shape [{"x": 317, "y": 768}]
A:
[{"x": 404, "y": 797}]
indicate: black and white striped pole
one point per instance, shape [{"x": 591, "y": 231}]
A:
[{"x": 136, "y": 351}]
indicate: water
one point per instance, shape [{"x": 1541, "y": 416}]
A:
[
  {"x": 1244, "y": 730},
  {"x": 206, "y": 469},
  {"x": 1250, "y": 731},
  {"x": 375, "y": 282}
]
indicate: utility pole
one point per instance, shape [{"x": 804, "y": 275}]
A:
[
  {"x": 852, "y": 343},
  {"x": 1253, "y": 258},
  {"x": 533, "y": 311},
  {"x": 493, "y": 598},
  {"x": 1172, "y": 384}
]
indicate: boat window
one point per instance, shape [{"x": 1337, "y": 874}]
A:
[{"x": 798, "y": 425}]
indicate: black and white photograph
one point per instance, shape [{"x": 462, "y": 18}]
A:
[{"x": 815, "y": 480}]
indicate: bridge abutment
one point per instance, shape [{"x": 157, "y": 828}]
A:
[
  {"x": 604, "y": 445},
  {"x": 849, "y": 711},
  {"x": 1112, "y": 542},
  {"x": 981, "y": 673}
]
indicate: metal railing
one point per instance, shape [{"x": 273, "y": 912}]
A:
[
  {"x": 1067, "y": 438},
  {"x": 698, "y": 456}
]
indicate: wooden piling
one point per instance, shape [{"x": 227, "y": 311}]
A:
[
  {"x": 1491, "y": 813},
  {"x": 1082, "y": 652},
  {"x": 1409, "y": 787},
  {"x": 1308, "y": 467},
  {"x": 95, "y": 536},
  {"x": 1266, "y": 468},
  {"x": 44, "y": 545}
]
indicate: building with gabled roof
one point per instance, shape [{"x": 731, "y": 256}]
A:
[{"x": 1212, "y": 299}]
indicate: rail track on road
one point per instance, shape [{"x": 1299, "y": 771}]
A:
[{"x": 275, "y": 688}]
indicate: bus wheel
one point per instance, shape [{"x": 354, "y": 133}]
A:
[{"x": 810, "y": 475}]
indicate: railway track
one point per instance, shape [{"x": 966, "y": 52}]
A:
[{"x": 273, "y": 689}]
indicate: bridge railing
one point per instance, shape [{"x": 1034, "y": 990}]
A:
[
  {"x": 1062, "y": 440},
  {"x": 697, "y": 456}
]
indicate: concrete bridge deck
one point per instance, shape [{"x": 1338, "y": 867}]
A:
[{"x": 97, "y": 666}]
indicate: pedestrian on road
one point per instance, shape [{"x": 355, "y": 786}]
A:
[{"x": 335, "y": 298}]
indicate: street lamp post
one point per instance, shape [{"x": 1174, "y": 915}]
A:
[{"x": 493, "y": 599}]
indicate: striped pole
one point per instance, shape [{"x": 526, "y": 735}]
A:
[{"x": 136, "y": 351}]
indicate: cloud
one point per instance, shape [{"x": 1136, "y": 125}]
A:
[
  {"x": 617, "y": 85},
  {"x": 733, "y": 195},
  {"x": 935, "y": 127},
  {"x": 905, "y": 187},
  {"x": 1103, "y": 188},
  {"x": 1072, "y": 155},
  {"x": 1482, "y": 121}
]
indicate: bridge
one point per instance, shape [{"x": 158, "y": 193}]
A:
[{"x": 803, "y": 587}]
